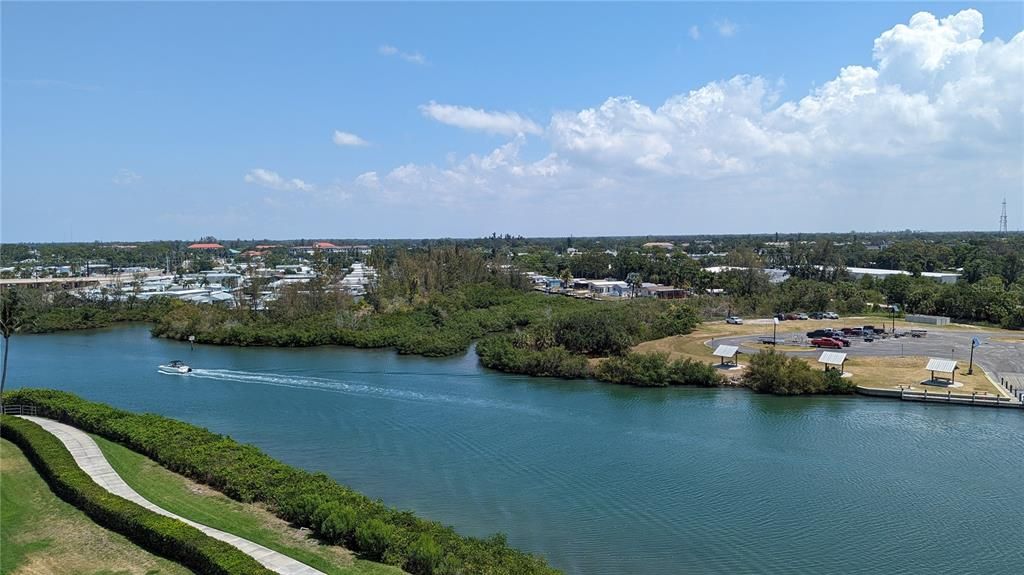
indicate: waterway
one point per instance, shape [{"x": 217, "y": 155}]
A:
[{"x": 599, "y": 479}]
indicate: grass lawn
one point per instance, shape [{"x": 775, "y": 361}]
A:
[
  {"x": 892, "y": 372},
  {"x": 251, "y": 521},
  {"x": 40, "y": 534},
  {"x": 692, "y": 345},
  {"x": 779, "y": 347}
]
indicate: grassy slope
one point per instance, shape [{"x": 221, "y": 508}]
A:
[
  {"x": 39, "y": 533},
  {"x": 209, "y": 507}
]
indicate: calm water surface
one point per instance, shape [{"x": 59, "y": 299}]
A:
[{"x": 598, "y": 478}]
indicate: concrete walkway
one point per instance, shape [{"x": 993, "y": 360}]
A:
[{"x": 89, "y": 457}]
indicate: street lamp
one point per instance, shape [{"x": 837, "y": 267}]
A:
[{"x": 975, "y": 342}]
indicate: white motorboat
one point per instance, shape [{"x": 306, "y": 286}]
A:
[{"x": 176, "y": 367}]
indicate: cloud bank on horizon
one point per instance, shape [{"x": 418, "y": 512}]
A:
[{"x": 937, "y": 114}]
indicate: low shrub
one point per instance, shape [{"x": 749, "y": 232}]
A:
[
  {"x": 773, "y": 372},
  {"x": 159, "y": 534},
  {"x": 424, "y": 555},
  {"x": 501, "y": 352},
  {"x": 373, "y": 537},
  {"x": 339, "y": 526},
  {"x": 655, "y": 370}
]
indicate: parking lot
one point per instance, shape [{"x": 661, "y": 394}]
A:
[{"x": 1001, "y": 353}]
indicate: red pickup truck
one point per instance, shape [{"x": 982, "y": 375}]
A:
[{"x": 827, "y": 342}]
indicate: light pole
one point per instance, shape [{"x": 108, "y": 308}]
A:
[{"x": 975, "y": 342}]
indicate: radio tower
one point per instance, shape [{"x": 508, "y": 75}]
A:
[{"x": 1002, "y": 219}]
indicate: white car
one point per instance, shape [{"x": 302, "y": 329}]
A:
[
  {"x": 831, "y": 315},
  {"x": 734, "y": 320}
]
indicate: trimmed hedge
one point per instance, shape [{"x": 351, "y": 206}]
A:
[
  {"x": 159, "y": 534},
  {"x": 334, "y": 512}
]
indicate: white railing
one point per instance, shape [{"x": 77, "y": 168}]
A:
[{"x": 18, "y": 410}]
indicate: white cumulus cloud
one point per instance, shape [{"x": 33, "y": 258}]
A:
[
  {"x": 125, "y": 177},
  {"x": 411, "y": 57},
  {"x": 274, "y": 181},
  {"x": 726, "y": 28},
  {"x": 348, "y": 139},
  {"x": 937, "y": 117},
  {"x": 507, "y": 123}
]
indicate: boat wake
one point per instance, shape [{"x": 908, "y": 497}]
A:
[{"x": 350, "y": 388}]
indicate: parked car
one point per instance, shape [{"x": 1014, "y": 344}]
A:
[
  {"x": 818, "y": 315},
  {"x": 792, "y": 316},
  {"x": 802, "y": 316},
  {"x": 820, "y": 333},
  {"x": 734, "y": 320},
  {"x": 831, "y": 315},
  {"x": 853, "y": 331},
  {"x": 918, "y": 333},
  {"x": 827, "y": 342},
  {"x": 767, "y": 340},
  {"x": 780, "y": 316},
  {"x": 841, "y": 339}
]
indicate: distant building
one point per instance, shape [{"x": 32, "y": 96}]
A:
[
  {"x": 881, "y": 274},
  {"x": 328, "y": 247},
  {"x": 610, "y": 288},
  {"x": 929, "y": 319},
  {"x": 710, "y": 254},
  {"x": 775, "y": 276},
  {"x": 206, "y": 247},
  {"x": 659, "y": 245},
  {"x": 668, "y": 292}
]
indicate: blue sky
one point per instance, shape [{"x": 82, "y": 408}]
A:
[{"x": 147, "y": 121}]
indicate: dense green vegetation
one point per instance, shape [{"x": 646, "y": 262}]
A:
[
  {"x": 162, "y": 535},
  {"x": 335, "y": 513},
  {"x": 991, "y": 289},
  {"x": 177, "y": 494},
  {"x": 656, "y": 370},
  {"x": 439, "y": 325},
  {"x": 561, "y": 344},
  {"x": 772, "y": 372},
  {"x": 39, "y": 311}
]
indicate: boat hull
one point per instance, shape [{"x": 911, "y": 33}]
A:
[{"x": 174, "y": 370}]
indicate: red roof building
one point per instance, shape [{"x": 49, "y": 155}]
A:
[
  {"x": 324, "y": 245},
  {"x": 206, "y": 247}
]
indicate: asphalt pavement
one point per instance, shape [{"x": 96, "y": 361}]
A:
[{"x": 1000, "y": 358}]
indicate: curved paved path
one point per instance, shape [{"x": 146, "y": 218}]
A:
[{"x": 89, "y": 457}]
